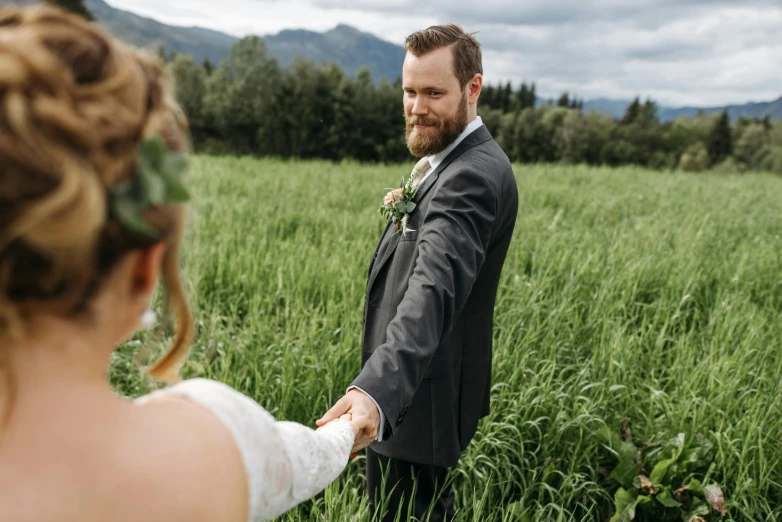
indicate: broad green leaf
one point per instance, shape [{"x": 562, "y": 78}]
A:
[
  {"x": 401, "y": 207},
  {"x": 697, "y": 508},
  {"x": 665, "y": 497},
  {"x": 643, "y": 499},
  {"x": 661, "y": 468},
  {"x": 627, "y": 467},
  {"x": 695, "y": 486},
  {"x": 410, "y": 207},
  {"x": 625, "y": 502},
  {"x": 659, "y": 471}
]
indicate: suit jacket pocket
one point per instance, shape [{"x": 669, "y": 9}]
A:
[{"x": 437, "y": 368}]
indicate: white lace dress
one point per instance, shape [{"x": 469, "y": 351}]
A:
[{"x": 286, "y": 462}]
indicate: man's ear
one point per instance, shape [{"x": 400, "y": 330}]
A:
[
  {"x": 146, "y": 270},
  {"x": 474, "y": 87}
]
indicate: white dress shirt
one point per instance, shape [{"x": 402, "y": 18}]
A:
[
  {"x": 436, "y": 159},
  {"x": 434, "y": 162}
]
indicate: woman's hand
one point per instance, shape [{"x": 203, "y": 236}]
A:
[{"x": 359, "y": 423}]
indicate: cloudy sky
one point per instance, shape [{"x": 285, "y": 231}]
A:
[{"x": 679, "y": 52}]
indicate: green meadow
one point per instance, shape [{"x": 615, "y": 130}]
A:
[{"x": 629, "y": 298}]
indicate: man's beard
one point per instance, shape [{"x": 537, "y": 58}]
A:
[{"x": 432, "y": 141}]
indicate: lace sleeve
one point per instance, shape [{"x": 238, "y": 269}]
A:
[{"x": 286, "y": 462}]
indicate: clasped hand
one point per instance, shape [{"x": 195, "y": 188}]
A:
[{"x": 357, "y": 408}]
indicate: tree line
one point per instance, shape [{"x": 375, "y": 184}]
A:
[{"x": 249, "y": 105}]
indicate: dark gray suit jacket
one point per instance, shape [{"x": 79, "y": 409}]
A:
[{"x": 427, "y": 337}]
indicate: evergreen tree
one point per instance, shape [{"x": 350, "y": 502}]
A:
[
  {"x": 507, "y": 98},
  {"x": 520, "y": 98},
  {"x": 532, "y": 99},
  {"x": 648, "y": 112},
  {"x": 488, "y": 96},
  {"x": 564, "y": 100},
  {"x": 632, "y": 112},
  {"x": 720, "y": 140}
]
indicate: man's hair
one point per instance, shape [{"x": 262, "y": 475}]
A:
[{"x": 467, "y": 59}]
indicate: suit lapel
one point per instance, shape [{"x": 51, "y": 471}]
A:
[
  {"x": 386, "y": 247},
  {"x": 389, "y": 241},
  {"x": 480, "y": 135},
  {"x": 381, "y": 248}
]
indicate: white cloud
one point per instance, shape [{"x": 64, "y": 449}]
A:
[{"x": 679, "y": 52}]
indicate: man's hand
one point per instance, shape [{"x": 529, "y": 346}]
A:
[{"x": 359, "y": 405}]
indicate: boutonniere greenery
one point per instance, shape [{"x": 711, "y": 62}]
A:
[{"x": 398, "y": 203}]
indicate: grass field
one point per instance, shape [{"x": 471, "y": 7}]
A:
[{"x": 627, "y": 294}]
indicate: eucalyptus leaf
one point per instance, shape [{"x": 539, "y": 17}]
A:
[
  {"x": 129, "y": 214},
  {"x": 157, "y": 181},
  {"x": 176, "y": 191},
  {"x": 153, "y": 150},
  {"x": 153, "y": 187},
  {"x": 410, "y": 207},
  {"x": 173, "y": 164}
]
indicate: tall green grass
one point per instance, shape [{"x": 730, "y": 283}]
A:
[{"x": 627, "y": 294}]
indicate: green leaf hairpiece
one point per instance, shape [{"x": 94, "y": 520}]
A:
[{"x": 157, "y": 182}]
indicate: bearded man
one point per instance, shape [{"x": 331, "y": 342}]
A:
[{"x": 429, "y": 309}]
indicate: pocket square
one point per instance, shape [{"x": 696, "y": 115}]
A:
[{"x": 408, "y": 230}]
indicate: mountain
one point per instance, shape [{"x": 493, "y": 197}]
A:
[
  {"x": 350, "y": 48},
  {"x": 147, "y": 33},
  {"x": 752, "y": 110},
  {"x": 346, "y": 46},
  {"x": 614, "y": 107},
  {"x": 617, "y": 108}
]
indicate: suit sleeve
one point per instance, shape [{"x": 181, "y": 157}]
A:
[{"x": 452, "y": 245}]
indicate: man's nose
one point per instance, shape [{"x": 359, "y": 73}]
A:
[{"x": 420, "y": 108}]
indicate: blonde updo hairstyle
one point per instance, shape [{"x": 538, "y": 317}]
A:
[{"x": 74, "y": 106}]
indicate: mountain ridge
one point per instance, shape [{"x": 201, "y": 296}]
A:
[{"x": 347, "y": 46}]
